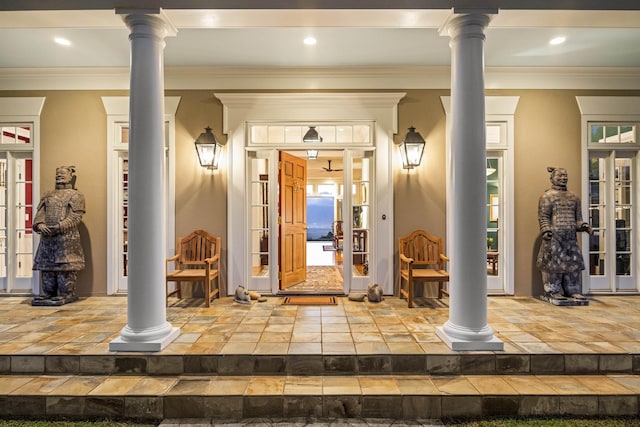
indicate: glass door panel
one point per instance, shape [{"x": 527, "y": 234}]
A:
[
  {"x": 361, "y": 173},
  {"x": 259, "y": 214},
  {"x": 598, "y": 214},
  {"x": 494, "y": 203},
  {"x": 624, "y": 220},
  {"x": 123, "y": 221},
  {"x": 612, "y": 218},
  {"x": 23, "y": 211}
]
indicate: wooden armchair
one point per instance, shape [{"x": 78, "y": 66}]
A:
[
  {"x": 197, "y": 259},
  {"x": 422, "y": 260}
]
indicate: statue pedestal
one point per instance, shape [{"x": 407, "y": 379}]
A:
[
  {"x": 564, "y": 302},
  {"x": 54, "y": 302}
]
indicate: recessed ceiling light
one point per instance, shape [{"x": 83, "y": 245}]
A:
[
  {"x": 310, "y": 41},
  {"x": 62, "y": 41},
  {"x": 557, "y": 40}
]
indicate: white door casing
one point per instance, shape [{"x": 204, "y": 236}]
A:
[{"x": 242, "y": 108}]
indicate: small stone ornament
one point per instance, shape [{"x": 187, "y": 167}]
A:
[
  {"x": 242, "y": 296},
  {"x": 374, "y": 293}
]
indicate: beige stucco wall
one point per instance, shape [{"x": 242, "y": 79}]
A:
[
  {"x": 547, "y": 132},
  {"x": 73, "y": 132}
]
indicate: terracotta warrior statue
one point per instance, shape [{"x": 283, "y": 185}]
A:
[
  {"x": 560, "y": 259},
  {"x": 59, "y": 256}
]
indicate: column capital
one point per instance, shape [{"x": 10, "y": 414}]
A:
[
  {"x": 148, "y": 22},
  {"x": 468, "y": 23}
]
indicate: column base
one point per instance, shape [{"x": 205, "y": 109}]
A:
[
  {"x": 153, "y": 344},
  {"x": 490, "y": 343}
]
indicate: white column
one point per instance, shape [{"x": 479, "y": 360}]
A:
[
  {"x": 467, "y": 327},
  {"x": 147, "y": 327}
]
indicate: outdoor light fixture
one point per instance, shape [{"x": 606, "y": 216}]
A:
[
  {"x": 411, "y": 149},
  {"x": 209, "y": 149},
  {"x": 312, "y": 136}
]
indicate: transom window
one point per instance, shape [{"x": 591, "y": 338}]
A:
[{"x": 294, "y": 134}]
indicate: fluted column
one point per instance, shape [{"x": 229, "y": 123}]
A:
[
  {"x": 147, "y": 328},
  {"x": 467, "y": 327}
]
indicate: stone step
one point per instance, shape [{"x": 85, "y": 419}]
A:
[
  {"x": 487, "y": 363},
  {"x": 404, "y": 397}
]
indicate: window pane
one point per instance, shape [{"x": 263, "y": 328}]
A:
[
  {"x": 597, "y": 133},
  {"x": 344, "y": 134},
  {"x": 613, "y": 134},
  {"x": 124, "y": 135},
  {"x": 16, "y": 135},
  {"x": 493, "y": 134},
  {"x": 361, "y": 133},
  {"x": 259, "y": 134},
  {"x": 293, "y": 134}
]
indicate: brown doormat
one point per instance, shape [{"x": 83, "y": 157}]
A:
[{"x": 309, "y": 300}]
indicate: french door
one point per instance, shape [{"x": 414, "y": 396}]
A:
[{"x": 612, "y": 265}]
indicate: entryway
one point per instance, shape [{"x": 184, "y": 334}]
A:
[
  {"x": 259, "y": 127},
  {"x": 323, "y": 195}
]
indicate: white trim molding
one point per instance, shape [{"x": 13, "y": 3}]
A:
[{"x": 292, "y": 78}]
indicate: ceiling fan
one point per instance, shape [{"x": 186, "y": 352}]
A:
[{"x": 329, "y": 169}]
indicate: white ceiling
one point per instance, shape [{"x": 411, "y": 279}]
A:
[{"x": 346, "y": 38}]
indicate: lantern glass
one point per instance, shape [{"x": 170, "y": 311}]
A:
[
  {"x": 411, "y": 149},
  {"x": 209, "y": 149}
]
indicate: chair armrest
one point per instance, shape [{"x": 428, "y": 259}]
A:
[
  {"x": 444, "y": 258},
  {"x": 173, "y": 258},
  {"x": 404, "y": 258},
  {"x": 212, "y": 259}
]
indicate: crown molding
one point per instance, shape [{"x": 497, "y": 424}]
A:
[{"x": 359, "y": 78}]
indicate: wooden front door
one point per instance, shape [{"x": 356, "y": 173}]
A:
[{"x": 293, "y": 220}]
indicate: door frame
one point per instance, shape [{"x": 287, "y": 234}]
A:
[{"x": 381, "y": 109}]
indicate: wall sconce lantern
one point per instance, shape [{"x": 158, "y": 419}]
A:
[
  {"x": 312, "y": 136},
  {"x": 411, "y": 149},
  {"x": 209, "y": 149}
]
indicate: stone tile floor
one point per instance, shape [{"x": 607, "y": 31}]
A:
[
  {"x": 608, "y": 327},
  {"x": 610, "y": 324}
]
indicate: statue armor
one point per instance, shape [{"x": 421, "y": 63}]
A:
[
  {"x": 559, "y": 212},
  {"x": 62, "y": 208}
]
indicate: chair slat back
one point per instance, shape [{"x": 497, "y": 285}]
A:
[
  {"x": 196, "y": 247},
  {"x": 424, "y": 248}
]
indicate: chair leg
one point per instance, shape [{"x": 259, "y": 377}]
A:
[
  {"x": 440, "y": 285},
  {"x": 410, "y": 292},
  {"x": 207, "y": 292},
  {"x": 179, "y": 289}
]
